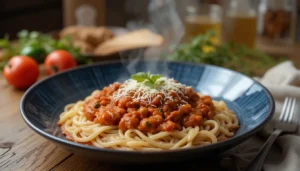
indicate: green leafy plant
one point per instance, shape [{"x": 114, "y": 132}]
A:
[
  {"x": 37, "y": 45},
  {"x": 230, "y": 55}
]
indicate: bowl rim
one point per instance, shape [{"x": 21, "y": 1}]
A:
[{"x": 65, "y": 142}]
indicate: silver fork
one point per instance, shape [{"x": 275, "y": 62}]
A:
[{"x": 287, "y": 123}]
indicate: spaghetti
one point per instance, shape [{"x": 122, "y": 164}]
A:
[{"x": 140, "y": 116}]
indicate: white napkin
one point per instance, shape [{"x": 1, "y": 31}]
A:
[{"x": 282, "y": 80}]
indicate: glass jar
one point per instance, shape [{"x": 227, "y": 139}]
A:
[
  {"x": 277, "y": 19},
  {"x": 241, "y": 22},
  {"x": 201, "y": 19}
]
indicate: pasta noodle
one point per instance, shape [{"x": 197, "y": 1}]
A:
[{"x": 79, "y": 128}]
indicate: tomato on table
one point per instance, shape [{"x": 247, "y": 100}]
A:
[
  {"x": 21, "y": 71},
  {"x": 59, "y": 60}
]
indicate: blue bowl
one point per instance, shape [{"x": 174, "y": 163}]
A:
[{"x": 43, "y": 102}]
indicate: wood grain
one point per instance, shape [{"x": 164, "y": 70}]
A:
[
  {"x": 290, "y": 52},
  {"x": 22, "y": 149},
  {"x": 81, "y": 164}
]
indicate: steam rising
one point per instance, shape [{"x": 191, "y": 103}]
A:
[{"x": 164, "y": 20}]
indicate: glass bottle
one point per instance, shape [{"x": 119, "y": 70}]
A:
[
  {"x": 202, "y": 18},
  {"x": 277, "y": 20},
  {"x": 241, "y": 21}
]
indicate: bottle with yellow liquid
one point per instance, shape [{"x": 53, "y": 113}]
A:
[
  {"x": 241, "y": 21},
  {"x": 202, "y": 19}
]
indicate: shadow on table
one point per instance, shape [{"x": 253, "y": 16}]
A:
[{"x": 201, "y": 164}]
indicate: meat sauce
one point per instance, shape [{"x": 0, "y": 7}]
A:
[{"x": 186, "y": 109}]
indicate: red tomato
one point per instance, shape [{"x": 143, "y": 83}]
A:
[
  {"x": 21, "y": 71},
  {"x": 59, "y": 60}
]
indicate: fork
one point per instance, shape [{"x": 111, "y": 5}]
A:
[{"x": 286, "y": 123}]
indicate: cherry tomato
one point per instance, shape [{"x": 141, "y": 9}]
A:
[
  {"x": 59, "y": 60},
  {"x": 21, "y": 71}
]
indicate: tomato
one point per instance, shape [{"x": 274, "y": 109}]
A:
[
  {"x": 21, "y": 71},
  {"x": 59, "y": 60}
]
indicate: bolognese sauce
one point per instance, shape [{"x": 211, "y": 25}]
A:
[
  {"x": 167, "y": 106},
  {"x": 147, "y": 112}
]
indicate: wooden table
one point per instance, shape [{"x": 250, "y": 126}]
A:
[
  {"x": 22, "y": 149},
  {"x": 291, "y": 52}
]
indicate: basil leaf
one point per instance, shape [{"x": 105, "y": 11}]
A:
[
  {"x": 154, "y": 77},
  {"x": 160, "y": 82},
  {"x": 148, "y": 83},
  {"x": 140, "y": 77},
  {"x": 147, "y": 79}
]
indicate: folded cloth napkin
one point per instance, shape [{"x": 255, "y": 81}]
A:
[{"x": 282, "y": 80}]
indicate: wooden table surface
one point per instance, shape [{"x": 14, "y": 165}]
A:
[{"x": 23, "y": 149}]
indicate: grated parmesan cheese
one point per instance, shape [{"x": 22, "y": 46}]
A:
[{"x": 144, "y": 93}]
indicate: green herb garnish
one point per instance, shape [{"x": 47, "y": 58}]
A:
[
  {"x": 147, "y": 78},
  {"x": 162, "y": 112},
  {"x": 96, "y": 106},
  {"x": 148, "y": 124},
  {"x": 37, "y": 45}
]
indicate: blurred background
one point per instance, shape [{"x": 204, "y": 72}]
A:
[
  {"x": 49, "y": 15},
  {"x": 266, "y": 30}
]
